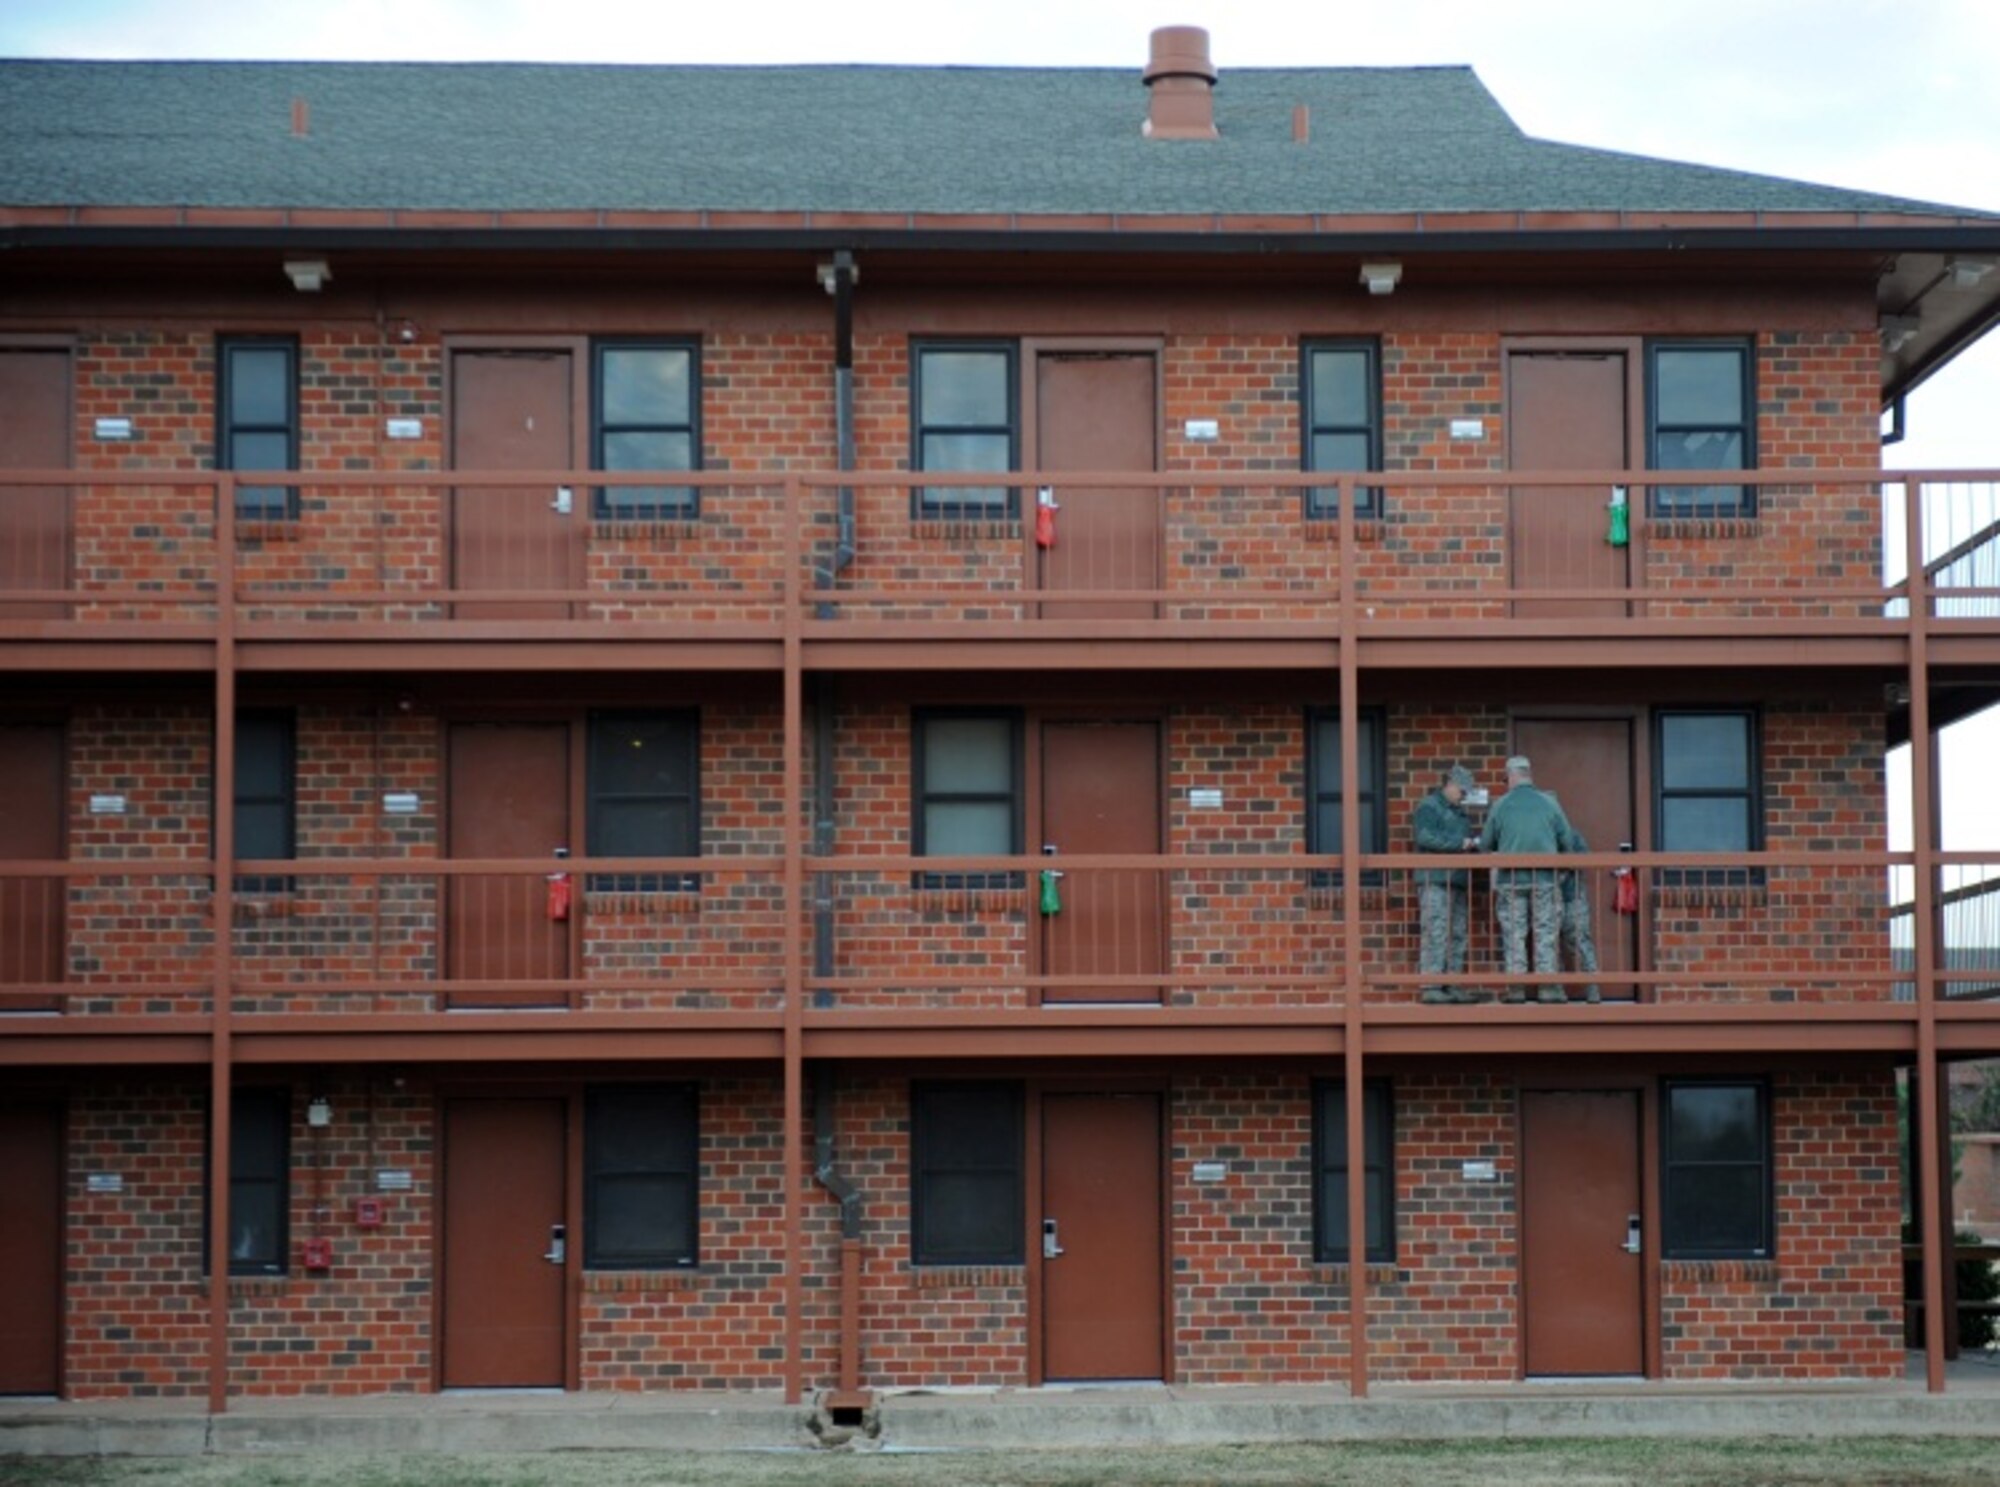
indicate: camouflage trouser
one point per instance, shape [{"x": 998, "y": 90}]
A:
[
  {"x": 1441, "y": 916},
  {"x": 1579, "y": 945},
  {"x": 1536, "y": 902}
]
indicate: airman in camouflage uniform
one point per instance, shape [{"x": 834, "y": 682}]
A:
[
  {"x": 1440, "y": 824},
  {"x": 1527, "y": 899},
  {"x": 1579, "y": 944}
]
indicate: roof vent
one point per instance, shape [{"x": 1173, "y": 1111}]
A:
[{"x": 1182, "y": 82}]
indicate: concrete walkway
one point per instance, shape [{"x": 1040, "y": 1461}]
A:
[{"x": 506, "y": 1421}]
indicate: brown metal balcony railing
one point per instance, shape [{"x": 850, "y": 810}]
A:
[
  {"x": 1260, "y": 934},
  {"x": 1807, "y": 548}
]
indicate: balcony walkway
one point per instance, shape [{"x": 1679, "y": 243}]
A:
[{"x": 1007, "y": 1419}]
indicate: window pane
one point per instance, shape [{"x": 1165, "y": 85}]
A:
[
  {"x": 1339, "y": 452},
  {"x": 1333, "y": 1211},
  {"x": 260, "y": 451},
  {"x": 1326, "y": 755},
  {"x": 969, "y": 828},
  {"x": 263, "y": 830},
  {"x": 1700, "y": 449},
  {"x": 1378, "y": 1213},
  {"x": 260, "y": 387},
  {"x": 263, "y": 757},
  {"x": 1717, "y": 1209},
  {"x": 964, "y": 387},
  {"x": 1340, "y": 389},
  {"x": 1705, "y": 825},
  {"x": 970, "y": 1215},
  {"x": 1714, "y": 1124},
  {"x": 985, "y": 452},
  {"x": 256, "y": 1225},
  {"x": 643, "y": 1215},
  {"x": 257, "y": 1134},
  {"x": 643, "y": 828},
  {"x": 1699, "y": 386},
  {"x": 640, "y": 1128},
  {"x": 641, "y": 756},
  {"x": 646, "y": 385},
  {"x": 970, "y": 1128},
  {"x": 1326, "y": 826},
  {"x": 1705, "y": 751},
  {"x": 965, "y": 756},
  {"x": 646, "y": 451}
]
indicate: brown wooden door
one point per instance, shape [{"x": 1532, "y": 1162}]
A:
[
  {"x": 1103, "y": 1315},
  {"x": 1582, "y": 1303},
  {"x": 34, "y": 519},
  {"x": 503, "y": 1212},
  {"x": 514, "y": 410},
  {"x": 1587, "y": 764},
  {"x": 30, "y": 1248},
  {"x": 509, "y": 797},
  {"x": 1101, "y": 795},
  {"x": 1565, "y": 411},
  {"x": 31, "y": 829},
  {"x": 1097, "y": 412}
]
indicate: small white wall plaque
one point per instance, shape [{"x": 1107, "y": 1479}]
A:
[
  {"x": 1478, "y": 1172},
  {"x": 1210, "y": 1171},
  {"x": 390, "y": 1180},
  {"x": 400, "y": 803},
  {"x": 1468, "y": 428},
  {"x": 104, "y": 1182},
  {"x": 1201, "y": 799},
  {"x": 116, "y": 429},
  {"x": 107, "y": 805},
  {"x": 404, "y": 428},
  {"x": 1203, "y": 430}
]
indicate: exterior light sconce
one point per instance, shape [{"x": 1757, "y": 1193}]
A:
[
  {"x": 1967, "y": 272},
  {"x": 1898, "y": 331},
  {"x": 1381, "y": 278},
  {"x": 308, "y": 275},
  {"x": 319, "y": 1112}
]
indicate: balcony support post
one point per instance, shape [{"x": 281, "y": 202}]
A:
[
  {"x": 1351, "y": 991},
  {"x": 222, "y": 894},
  {"x": 1927, "y": 1103},
  {"x": 793, "y": 919}
]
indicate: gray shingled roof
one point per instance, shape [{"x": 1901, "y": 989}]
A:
[{"x": 487, "y": 137}]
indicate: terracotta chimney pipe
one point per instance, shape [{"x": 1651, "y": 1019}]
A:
[{"x": 1182, "y": 82}]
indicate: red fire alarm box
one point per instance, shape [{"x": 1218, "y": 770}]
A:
[
  {"x": 559, "y": 895},
  {"x": 367, "y": 1213},
  {"x": 318, "y": 1254}
]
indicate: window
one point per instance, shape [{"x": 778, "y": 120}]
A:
[
  {"x": 642, "y": 782},
  {"x": 266, "y": 804},
  {"x": 965, "y": 409},
  {"x": 257, "y": 408},
  {"x": 969, "y": 793},
  {"x": 1323, "y": 803},
  {"x": 641, "y": 1153},
  {"x": 646, "y": 405},
  {"x": 1716, "y": 1171},
  {"x": 965, "y": 1174},
  {"x": 1707, "y": 796},
  {"x": 259, "y": 1182},
  {"x": 1699, "y": 403},
  {"x": 1341, "y": 409},
  {"x": 1330, "y": 1220}
]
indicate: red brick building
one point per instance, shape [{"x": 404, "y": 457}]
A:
[{"x": 972, "y": 572}]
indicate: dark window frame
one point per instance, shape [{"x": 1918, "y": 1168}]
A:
[
  {"x": 1320, "y": 503},
  {"x": 1330, "y": 1156},
  {"x": 595, "y": 801},
  {"x": 1375, "y": 757},
  {"x": 1017, "y": 795},
  {"x": 1671, "y": 1167},
  {"x": 921, "y": 1249},
  {"x": 1004, "y": 506},
  {"x": 679, "y": 1158},
  {"x": 258, "y": 503},
  {"x": 1720, "y": 877},
  {"x": 668, "y": 503},
  {"x": 1702, "y": 502},
  {"x": 268, "y": 1099},
  {"x": 288, "y": 798}
]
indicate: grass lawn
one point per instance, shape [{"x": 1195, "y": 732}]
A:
[{"x": 1643, "y": 1463}]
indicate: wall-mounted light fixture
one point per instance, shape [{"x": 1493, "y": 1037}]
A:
[
  {"x": 308, "y": 275},
  {"x": 1967, "y": 272},
  {"x": 319, "y": 1112},
  {"x": 1898, "y": 331},
  {"x": 1381, "y": 278}
]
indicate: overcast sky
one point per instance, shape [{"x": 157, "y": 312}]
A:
[{"x": 1898, "y": 96}]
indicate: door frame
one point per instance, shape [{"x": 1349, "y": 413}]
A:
[
  {"x": 578, "y": 724},
  {"x": 1647, "y": 1087},
  {"x": 570, "y": 1093},
  {"x": 1032, "y": 350},
  {"x": 578, "y": 347},
  {"x": 1633, "y": 348},
  {"x": 1032, "y": 721},
  {"x": 34, "y": 715},
  {"x": 1034, "y": 1088},
  {"x": 55, "y": 1098},
  {"x": 1640, "y": 718}
]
